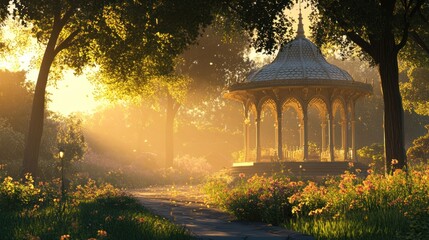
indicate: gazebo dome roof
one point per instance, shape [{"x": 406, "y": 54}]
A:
[{"x": 300, "y": 59}]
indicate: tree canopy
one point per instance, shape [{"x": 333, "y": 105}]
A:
[{"x": 135, "y": 38}]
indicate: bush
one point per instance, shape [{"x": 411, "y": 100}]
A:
[
  {"x": 11, "y": 143},
  {"x": 257, "y": 198},
  {"x": 15, "y": 195},
  {"x": 419, "y": 152},
  {"x": 373, "y": 155}
]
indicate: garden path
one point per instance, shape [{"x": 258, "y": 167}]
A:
[{"x": 184, "y": 205}]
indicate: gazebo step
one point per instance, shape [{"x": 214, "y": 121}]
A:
[{"x": 307, "y": 170}]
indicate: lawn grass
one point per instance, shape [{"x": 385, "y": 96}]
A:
[
  {"x": 382, "y": 224},
  {"x": 89, "y": 213}
]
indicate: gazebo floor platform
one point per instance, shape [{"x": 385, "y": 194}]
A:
[{"x": 310, "y": 170}]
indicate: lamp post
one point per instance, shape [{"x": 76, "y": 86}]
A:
[{"x": 61, "y": 155}]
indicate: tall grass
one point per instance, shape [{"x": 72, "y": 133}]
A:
[
  {"x": 90, "y": 212},
  {"x": 379, "y": 206}
]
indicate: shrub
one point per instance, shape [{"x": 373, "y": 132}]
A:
[
  {"x": 419, "y": 152},
  {"x": 373, "y": 154},
  {"x": 257, "y": 198},
  {"x": 15, "y": 195},
  {"x": 11, "y": 143}
]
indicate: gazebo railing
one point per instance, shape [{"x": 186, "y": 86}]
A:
[{"x": 295, "y": 154}]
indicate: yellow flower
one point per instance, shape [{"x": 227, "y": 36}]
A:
[
  {"x": 394, "y": 161},
  {"x": 101, "y": 233},
  {"x": 65, "y": 237}
]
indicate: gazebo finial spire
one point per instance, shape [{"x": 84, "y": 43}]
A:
[{"x": 300, "y": 32}]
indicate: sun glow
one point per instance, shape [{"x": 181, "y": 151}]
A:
[
  {"x": 22, "y": 52},
  {"x": 73, "y": 94}
]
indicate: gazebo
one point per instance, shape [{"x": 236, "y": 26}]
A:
[{"x": 300, "y": 77}]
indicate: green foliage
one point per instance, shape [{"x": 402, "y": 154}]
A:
[
  {"x": 70, "y": 139},
  {"x": 373, "y": 155},
  {"x": 416, "y": 51},
  {"x": 379, "y": 206},
  {"x": 264, "y": 21},
  {"x": 383, "y": 206},
  {"x": 74, "y": 31},
  {"x": 256, "y": 198},
  {"x": 415, "y": 92},
  {"x": 362, "y": 22},
  {"x": 92, "y": 211},
  {"x": 15, "y": 195},
  {"x": 217, "y": 188},
  {"x": 419, "y": 152},
  {"x": 11, "y": 143},
  {"x": 135, "y": 47}
]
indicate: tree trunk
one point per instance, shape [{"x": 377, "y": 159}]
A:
[
  {"x": 393, "y": 110},
  {"x": 34, "y": 137},
  {"x": 171, "y": 110},
  {"x": 32, "y": 145}
]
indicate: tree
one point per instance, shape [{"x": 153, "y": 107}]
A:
[
  {"x": 78, "y": 32},
  {"x": 381, "y": 30},
  {"x": 67, "y": 29},
  {"x": 178, "y": 27},
  {"x": 174, "y": 91}
]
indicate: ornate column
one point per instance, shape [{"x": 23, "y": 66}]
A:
[
  {"x": 352, "y": 123},
  {"x": 246, "y": 137},
  {"x": 330, "y": 136},
  {"x": 344, "y": 137},
  {"x": 258, "y": 135},
  {"x": 276, "y": 131},
  {"x": 323, "y": 126},
  {"x": 346, "y": 143},
  {"x": 305, "y": 133},
  {"x": 333, "y": 132},
  {"x": 279, "y": 133}
]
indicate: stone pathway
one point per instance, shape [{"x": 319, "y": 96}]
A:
[{"x": 184, "y": 205}]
